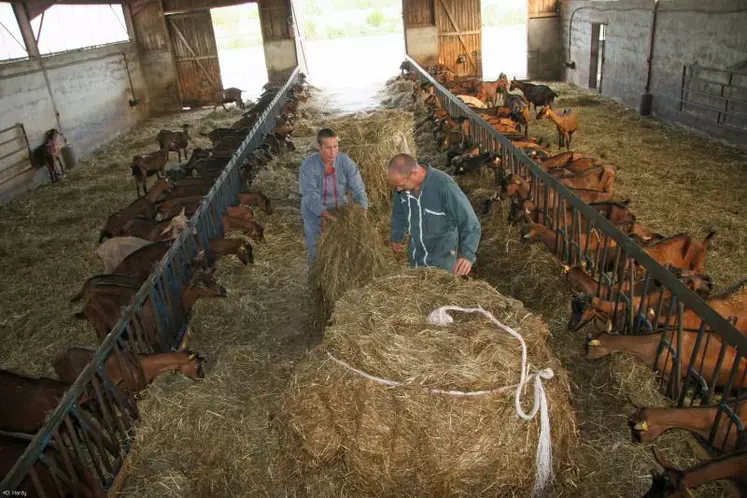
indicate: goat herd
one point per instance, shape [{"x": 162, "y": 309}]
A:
[
  {"x": 683, "y": 254},
  {"x": 139, "y": 235}
]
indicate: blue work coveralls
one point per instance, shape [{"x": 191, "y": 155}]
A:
[
  {"x": 442, "y": 224},
  {"x": 320, "y": 191}
]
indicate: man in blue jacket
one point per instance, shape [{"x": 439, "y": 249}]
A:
[
  {"x": 443, "y": 227},
  {"x": 324, "y": 179}
]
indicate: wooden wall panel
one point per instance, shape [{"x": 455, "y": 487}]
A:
[
  {"x": 273, "y": 15},
  {"x": 459, "y": 25},
  {"x": 544, "y": 8},
  {"x": 418, "y": 13}
]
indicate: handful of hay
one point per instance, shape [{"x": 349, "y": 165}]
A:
[
  {"x": 371, "y": 141},
  {"x": 343, "y": 430},
  {"x": 350, "y": 253}
]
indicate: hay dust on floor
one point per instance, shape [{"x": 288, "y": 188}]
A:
[
  {"x": 677, "y": 181},
  {"x": 48, "y": 237}
]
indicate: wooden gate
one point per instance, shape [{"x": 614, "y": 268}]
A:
[
  {"x": 196, "y": 57},
  {"x": 460, "y": 36}
]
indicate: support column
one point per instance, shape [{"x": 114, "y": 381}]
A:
[
  {"x": 26, "y": 31},
  {"x": 421, "y": 33},
  {"x": 279, "y": 46}
]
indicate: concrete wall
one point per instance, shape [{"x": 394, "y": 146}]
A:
[
  {"x": 422, "y": 44},
  {"x": 91, "y": 91},
  {"x": 545, "y": 54},
  {"x": 280, "y": 58},
  {"x": 687, "y": 32}
]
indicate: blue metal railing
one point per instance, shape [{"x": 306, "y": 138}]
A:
[{"x": 72, "y": 435}]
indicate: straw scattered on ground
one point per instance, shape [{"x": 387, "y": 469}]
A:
[
  {"x": 678, "y": 181},
  {"x": 371, "y": 440},
  {"x": 48, "y": 237}
]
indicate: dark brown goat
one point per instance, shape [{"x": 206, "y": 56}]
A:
[
  {"x": 174, "y": 141},
  {"x": 250, "y": 227},
  {"x": 70, "y": 363},
  {"x": 144, "y": 206},
  {"x": 48, "y": 154},
  {"x": 27, "y": 400},
  {"x": 148, "y": 165},
  {"x": 677, "y": 483}
]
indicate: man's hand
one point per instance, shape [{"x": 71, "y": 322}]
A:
[
  {"x": 329, "y": 216},
  {"x": 462, "y": 267},
  {"x": 397, "y": 247}
]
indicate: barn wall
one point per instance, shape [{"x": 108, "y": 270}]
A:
[
  {"x": 687, "y": 32},
  {"x": 91, "y": 91},
  {"x": 421, "y": 33}
]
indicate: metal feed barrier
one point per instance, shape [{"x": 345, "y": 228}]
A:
[
  {"x": 583, "y": 236},
  {"x": 78, "y": 444}
]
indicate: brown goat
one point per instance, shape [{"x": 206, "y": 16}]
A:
[
  {"x": 681, "y": 250},
  {"x": 81, "y": 483},
  {"x": 250, "y": 227},
  {"x": 144, "y": 206},
  {"x": 103, "y": 302},
  {"x": 677, "y": 483},
  {"x": 70, "y": 363},
  {"x": 567, "y": 124},
  {"x": 148, "y": 165},
  {"x": 174, "y": 141},
  {"x": 27, "y": 400},
  {"x": 648, "y": 424},
  {"x": 601, "y": 178},
  {"x": 228, "y": 96}
]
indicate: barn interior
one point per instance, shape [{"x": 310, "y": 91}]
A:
[{"x": 659, "y": 88}]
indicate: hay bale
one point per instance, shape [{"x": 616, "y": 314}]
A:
[
  {"x": 370, "y": 439},
  {"x": 350, "y": 253},
  {"x": 371, "y": 141}
]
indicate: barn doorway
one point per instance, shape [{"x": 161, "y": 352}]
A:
[
  {"x": 238, "y": 37},
  {"x": 504, "y": 38},
  {"x": 352, "y": 47},
  {"x": 596, "y": 57}
]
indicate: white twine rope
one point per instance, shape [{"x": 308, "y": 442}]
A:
[{"x": 544, "y": 474}]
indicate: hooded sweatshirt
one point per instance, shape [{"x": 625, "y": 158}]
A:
[{"x": 442, "y": 224}]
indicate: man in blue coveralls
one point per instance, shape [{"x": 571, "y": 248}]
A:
[
  {"x": 444, "y": 229},
  {"x": 324, "y": 179}
]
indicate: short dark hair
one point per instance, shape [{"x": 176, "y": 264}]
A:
[
  {"x": 325, "y": 133},
  {"x": 404, "y": 164}
]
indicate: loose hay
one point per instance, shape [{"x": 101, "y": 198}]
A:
[
  {"x": 373, "y": 140},
  {"x": 372, "y": 440},
  {"x": 350, "y": 253}
]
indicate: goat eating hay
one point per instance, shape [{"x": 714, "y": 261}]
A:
[{"x": 342, "y": 424}]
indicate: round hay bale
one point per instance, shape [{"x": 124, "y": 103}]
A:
[
  {"x": 374, "y": 440},
  {"x": 373, "y": 140}
]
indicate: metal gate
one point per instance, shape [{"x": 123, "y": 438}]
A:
[
  {"x": 459, "y": 25},
  {"x": 196, "y": 56}
]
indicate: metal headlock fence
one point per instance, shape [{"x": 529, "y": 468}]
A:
[
  {"x": 91, "y": 431},
  {"x": 700, "y": 352}
]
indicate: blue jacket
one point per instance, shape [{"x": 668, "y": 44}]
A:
[
  {"x": 441, "y": 222},
  {"x": 311, "y": 180}
]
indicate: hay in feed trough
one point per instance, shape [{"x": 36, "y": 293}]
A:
[
  {"x": 371, "y": 141},
  {"x": 371, "y": 439},
  {"x": 350, "y": 253}
]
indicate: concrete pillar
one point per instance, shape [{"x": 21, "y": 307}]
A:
[
  {"x": 421, "y": 43},
  {"x": 277, "y": 38}
]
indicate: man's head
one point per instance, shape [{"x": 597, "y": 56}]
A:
[
  {"x": 405, "y": 173},
  {"x": 326, "y": 139}
]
